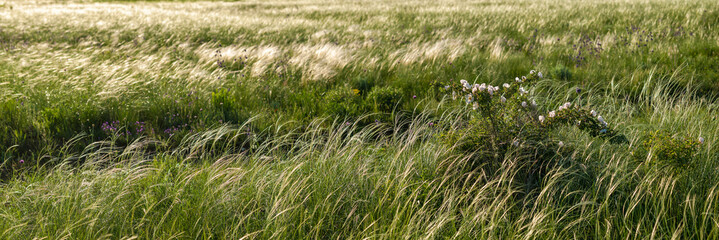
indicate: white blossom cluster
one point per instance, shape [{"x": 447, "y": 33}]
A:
[
  {"x": 568, "y": 105},
  {"x": 477, "y": 88},
  {"x": 471, "y": 91}
]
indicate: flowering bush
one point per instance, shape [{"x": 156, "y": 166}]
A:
[{"x": 506, "y": 119}]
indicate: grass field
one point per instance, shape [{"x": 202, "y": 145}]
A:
[{"x": 331, "y": 119}]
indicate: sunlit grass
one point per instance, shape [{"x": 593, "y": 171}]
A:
[{"x": 159, "y": 120}]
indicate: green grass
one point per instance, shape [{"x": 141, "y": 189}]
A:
[{"x": 299, "y": 120}]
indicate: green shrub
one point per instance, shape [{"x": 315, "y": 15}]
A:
[
  {"x": 561, "y": 72},
  {"x": 363, "y": 85},
  {"x": 343, "y": 102},
  {"x": 385, "y": 99},
  {"x": 662, "y": 150}
]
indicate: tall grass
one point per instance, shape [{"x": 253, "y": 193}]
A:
[
  {"x": 341, "y": 181},
  {"x": 71, "y": 67},
  {"x": 317, "y": 119}
]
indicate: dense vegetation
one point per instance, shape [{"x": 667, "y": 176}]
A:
[{"x": 345, "y": 119}]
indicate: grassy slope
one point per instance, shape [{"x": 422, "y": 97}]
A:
[{"x": 68, "y": 69}]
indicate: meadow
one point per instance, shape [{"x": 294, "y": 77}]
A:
[{"x": 417, "y": 119}]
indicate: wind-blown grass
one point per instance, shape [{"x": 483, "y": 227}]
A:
[
  {"x": 317, "y": 119},
  {"x": 344, "y": 181}
]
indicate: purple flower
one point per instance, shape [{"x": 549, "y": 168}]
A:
[
  {"x": 431, "y": 124},
  {"x": 415, "y": 96},
  {"x": 21, "y": 161},
  {"x": 579, "y": 90}
]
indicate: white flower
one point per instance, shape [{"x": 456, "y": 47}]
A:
[
  {"x": 540, "y": 75},
  {"x": 490, "y": 90},
  {"x": 534, "y": 103},
  {"x": 475, "y": 106},
  {"x": 594, "y": 113},
  {"x": 532, "y": 72},
  {"x": 522, "y": 91},
  {"x": 561, "y": 144},
  {"x": 469, "y": 98},
  {"x": 503, "y": 99},
  {"x": 454, "y": 95},
  {"x": 496, "y": 88},
  {"x": 701, "y": 140},
  {"x": 524, "y": 78},
  {"x": 601, "y": 119},
  {"x": 482, "y": 87},
  {"x": 506, "y": 85},
  {"x": 524, "y": 104},
  {"x": 446, "y": 87},
  {"x": 465, "y": 84},
  {"x": 517, "y": 79},
  {"x": 541, "y": 119},
  {"x": 552, "y": 114},
  {"x": 565, "y": 106}
]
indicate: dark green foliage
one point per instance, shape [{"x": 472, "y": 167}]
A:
[
  {"x": 343, "y": 102},
  {"x": 16, "y": 127},
  {"x": 66, "y": 120},
  {"x": 227, "y": 106},
  {"x": 385, "y": 99},
  {"x": 661, "y": 149},
  {"x": 561, "y": 72},
  {"x": 583, "y": 118},
  {"x": 363, "y": 84}
]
